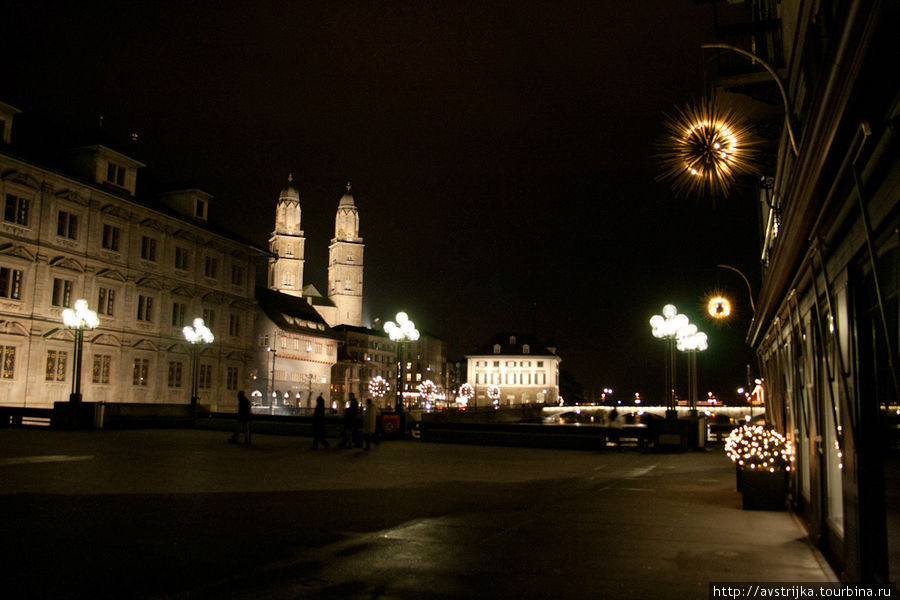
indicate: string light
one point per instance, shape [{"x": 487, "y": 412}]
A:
[
  {"x": 378, "y": 387},
  {"x": 466, "y": 392},
  {"x": 759, "y": 447}
]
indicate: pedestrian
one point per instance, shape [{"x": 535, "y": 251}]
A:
[
  {"x": 351, "y": 416},
  {"x": 615, "y": 426},
  {"x": 319, "y": 425},
  {"x": 370, "y": 419},
  {"x": 243, "y": 420}
]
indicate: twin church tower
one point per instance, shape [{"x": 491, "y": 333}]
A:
[{"x": 343, "y": 302}]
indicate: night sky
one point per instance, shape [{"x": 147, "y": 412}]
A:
[{"x": 501, "y": 154}]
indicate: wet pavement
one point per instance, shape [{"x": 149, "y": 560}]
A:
[{"x": 184, "y": 514}]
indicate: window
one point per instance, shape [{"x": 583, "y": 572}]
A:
[
  {"x": 145, "y": 308},
  {"x": 209, "y": 317},
  {"x": 8, "y": 354},
  {"x": 115, "y": 174},
  {"x": 105, "y": 299},
  {"x": 264, "y": 340},
  {"x": 110, "y": 238},
  {"x": 232, "y": 378},
  {"x": 200, "y": 209},
  {"x": 288, "y": 279},
  {"x": 496, "y": 364},
  {"x": 526, "y": 349},
  {"x": 140, "y": 371},
  {"x": 283, "y": 343},
  {"x": 237, "y": 275},
  {"x": 178, "y": 311},
  {"x": 56, "y": 365},
  {"x": 182, "y": 257},
  {"x": 16, "y": 210},
  {"x": 540, "y": 364},
  {"x": 10, "y": 283},
  {"x": 205, "y": 377},
  {"x": 67, "y": 225},
  {"x": 175, "y": 369},
  {"x": 510, "y": 363},
  {"x": 212, "y": 266},
  {"x": 62, "y": 293},
  {"x": 100, "y": 370},
  {"x": 148, "y": 248},
  {"x": 234, "y": 325}
]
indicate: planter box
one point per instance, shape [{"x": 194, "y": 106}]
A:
[{"x": 763, "y": 490}]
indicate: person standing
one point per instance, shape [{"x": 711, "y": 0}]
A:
[
  {"x": 319, "y": 425},
  {"x": 351, "y": 418},
  {"x": 370, "y": 417},
  {"x": 243, "y": 419}
]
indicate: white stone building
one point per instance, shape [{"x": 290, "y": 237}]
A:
[
  {"x": 524, "y": 370},
  {"x": 148, "y": 266}
]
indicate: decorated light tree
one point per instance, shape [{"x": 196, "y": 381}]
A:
[
  {"x": 378, "y": 387},
  {"x": 465, "y": 393},
  {"x": 493, "y": 394}
]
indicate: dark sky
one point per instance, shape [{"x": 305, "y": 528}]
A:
[{"x": 501, "y": 154}]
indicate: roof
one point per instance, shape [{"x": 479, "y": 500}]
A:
[
  {"x": 512, "y": 344},
  {"x": 314, "y": 297},
  {"x": 291, "y": 313}
]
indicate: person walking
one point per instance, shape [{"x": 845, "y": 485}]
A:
[
  {"x": 319, "y": 425},
  {"x": 243, "y": 419},
  {"x": 370, "y": 419}
]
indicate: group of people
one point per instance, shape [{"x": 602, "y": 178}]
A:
[{"x": 358, "y": 429}]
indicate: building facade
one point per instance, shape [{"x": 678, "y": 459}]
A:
[
  {"x": 825, "y": 327},
  {"x": 147, "y": 266},
  {"x": 363, "y": 354},
  {"x": 519, "y": 367},
  {"x": 294, "y": 355}
]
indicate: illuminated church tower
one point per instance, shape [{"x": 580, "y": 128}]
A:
[
  {"x": 345, "y": 264},
  {"x": 287, "y": 244}
]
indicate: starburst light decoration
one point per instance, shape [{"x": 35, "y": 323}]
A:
[
  {"x": 427, "y": 389},
  {"x": 378, "y": 387},
  {"x": 718, "y": 307},
  {"x": 759, "y": 448},
  {"x": 705, "y": 148},
  {"x": 466, "y": 392},
  {"x": 493, "y": 392}
]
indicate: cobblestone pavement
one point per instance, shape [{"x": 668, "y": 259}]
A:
[{"x": 184, "y": 514}]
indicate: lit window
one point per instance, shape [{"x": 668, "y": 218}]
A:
[
  {"x": 10, "y": 283},
  {"x": 16, "y": 210},
  {"x": 100, "y": 369},
  {"x": 56, "y": 365},
  {"x": 8, "y": 354},
  {"x": 139, "y": 372}
]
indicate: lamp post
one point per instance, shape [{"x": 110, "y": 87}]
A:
[
  {"x": 196, "y": 335},
  {"x": 77, "y": 320},
  {"x": 273, "y": 395},
  {"x": 666, "y": 327},
  {"x": 403, "y": 330},
  {"x": 692, "y": 342}
]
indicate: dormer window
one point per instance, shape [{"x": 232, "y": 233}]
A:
[
  {"x": 526, "y": 349},
  {"x": 115, "y": 174},
  {"x": 496, "y": 348},
  {"x": 512, "y": 340},
  {"x": 200, "y": 209}
]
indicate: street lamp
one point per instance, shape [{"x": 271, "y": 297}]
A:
[
  {"x": 403, "y": 330},
  {"x": 692, "y": 342},
  {"x": 273, "y": 397},
  {"x": 78, "y": 319},
  {"x": 666, "y": 327},
  {"x": 196, "y": 335}
]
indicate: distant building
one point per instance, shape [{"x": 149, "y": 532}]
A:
[
  {"x": 295, "y": 352},
  {"x": 524, "y": 370},
  {"x": 363, "y": 354},
  {"x": 147, "y": 266}
]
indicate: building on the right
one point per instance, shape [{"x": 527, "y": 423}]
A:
[
  {"x": 516, "y": 369},
  {"x": 825, "y": 328}
]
